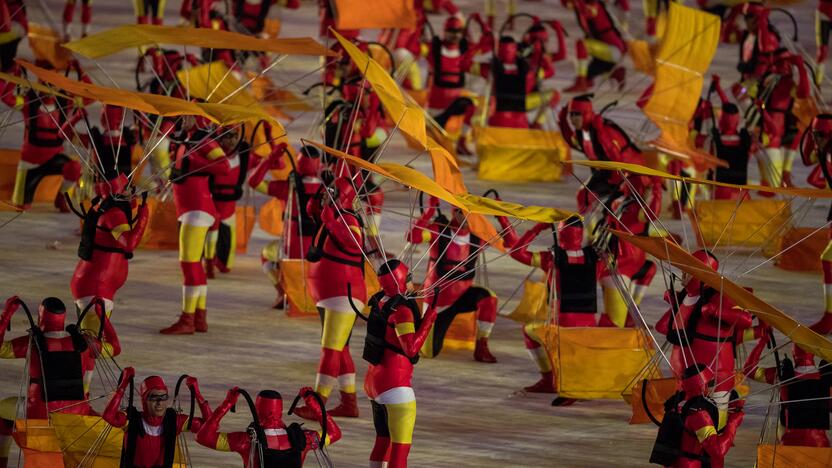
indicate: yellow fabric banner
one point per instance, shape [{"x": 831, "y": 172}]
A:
[
  {"x": 782, "y": 456},
  {"x": 374, "y": 14},
  {"x": 519, "y": 154},
  {"x": 136, "y": 35},
  {"x": 753, "y": 223},
  {"x": 165, "y": 106},
  {"x": 680, "y": 258}
]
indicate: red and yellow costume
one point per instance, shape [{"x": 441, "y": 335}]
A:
[
  {"x": 283, "y": 445},
  {"x": 395, "y": 334},
  {"x": 804, "y": 422},
  {"x": 571, "y": 269},
  {"x": 46, "y": 129},
  {"x": 336, "y": 269},
  {"x": 150, "y": 11},
  {"x": 197, "y": 158},
  {"x": 452, "y": 267},
  {"x": 69, "y": 13},
  {"x": 732, "y": 144},
  {"x": 815, "y": 150},
  {"x": 602, "y": 47},
  {"x": 150, "y": 441},
  {"x": 511, "y": 76},
  {"x": 758, "y": 42}
]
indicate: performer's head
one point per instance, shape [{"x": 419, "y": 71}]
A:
[
  {"x": 394, "y": 277},
  {"x": 709, "y": 260},
  {"x": 571, "y": 235},
  {"x": 229, "y": 138},
  {"x": 729, "y": 119},
  {"x": 112, "y": 118},
  {"x": 752, "y": 12},
  {"x": 803, "y": 358},
  {"x": 507, "y": 50},
  {"x": 822, "y": 130},
  {"x": 115, "y": 184},
  {"x": 580, "y": 111},
  {"x": 309, "y": 162},
  {"x": 697, "y": 380},
  {"x": 269, "y": 407},
  {"x": 454, "y": 29},
  {"x": 51, "y": 315},
  {"x": 458, "y": 219},
  {"x": 536, "y": 36},
  {"x": 344, "y": 193},
  {"x": 154, "y": 394}
]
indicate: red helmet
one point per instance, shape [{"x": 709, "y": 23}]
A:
[
  {"x": 51, "y": 315},
  {"x": 309, "y": 161},
  {"x": 708, "y": 258},
  {"x": 345, "y": 196},
  {"x": 729, "y": 119},
  {"x": 269, "y": 407},
  {"x": 507, "y": 50},
  {"x": 696, "y": 380},
  {"x": 113, "y": 186},
  {"x": 454, "y": 23},
  {"x": 393, "y": 277},
  {"x": 153, "y": 382},
  {"x": 581, "y": 105},
  {"x": 536, "y": 33},
  {"x": 571, "y": 233},
  {"x": 753, "y": 9},
  {"x": 112, "y": 117}
]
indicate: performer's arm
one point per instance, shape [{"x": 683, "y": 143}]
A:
[
  {"x": 333, "y": 432},
  {"x": 750, "y": 368},
  {"x": 127, "y": 237},
  {"x": 112, "y": 413},
  {"x": 204, "y": 407},
  {"x": 715, "y": 444},
  {"x": 344, "y": 228},
  {"x": 209, "y": 434},
  {"x": 520, "y": 250},
  {"x": 419, "y": 233},
  {"x": 410, "y": 338}
]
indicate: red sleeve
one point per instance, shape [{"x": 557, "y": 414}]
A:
[
  {"x": 737, "y": 318},
  {"x": 345, "y": 229},
  {"x": 411, "y": 339},
  {"x": 561, "y": 53},
  {"x": 112, "y": 414},
  {"x": 663, "y": 325}
]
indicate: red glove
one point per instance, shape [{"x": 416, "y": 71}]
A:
[
  {"x": 127, "y": 375},
  {"x": 540, "y": 227},
  {"x": 192, "y": 384},
  {"x": 276, "y": 157},
  {"x": 232, "y": 395},
  {"x": 715, "y": 80},
  {"x": 12, "y": 304},
  {"x": 310, "y": 400}
]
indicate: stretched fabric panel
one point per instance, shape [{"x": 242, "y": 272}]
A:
[
  {"x": 409, "y": 117},
  {"x": 214, "y": 80},
  {"x": 683, "y": 56},
  {"x": 642, "y": 56},
  {"x": 24, "y": 83},
  {"x": 270, "y": 217},
  {"x": 654, "y": 392},
  {"x": 46, "y": 45},
  {"x": 46, "y": 191},
  {"x": 803, "y": 252},
  {"x": 782, "y": 456},
  {"x": 132, "y": 36},
  {"x": 755, "y": 223},
  {"x": 643, "y": 170},
  {"x": 374, "y": 14},
  {"x": 594, "y": 363},
  {"x": 165, "y": 106},
  {"x": 294, "y": 284},
  {"x": 162, "y": 231},
  {"x": 519, "y": 155},
  {"x": 680, "y": 258},
  {"x": 533, "y": 304}
]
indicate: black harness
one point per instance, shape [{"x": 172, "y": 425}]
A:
[
  {"x": 439, "y": 73},
  {"x": 52, "y": 137},
  {"x": 510, "y": 88},
  {"x": 735, "y": 156},
  {"x": 444, "y": 266},
  {"x": 135, "y": 429},
  {"x": 375, "y": 342},
  {"x": 90, "y": 226},
  {"x": 317, "y": 252},
  {"x": 577, "y": 282}
]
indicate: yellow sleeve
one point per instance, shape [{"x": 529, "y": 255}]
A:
[
  {"x": 705, "y": 432},
  {"x": 405, "y": 328},
  {"x": 215, "y": 153},
  {"x": 6, "y": 350},
  {"x": 119, "y": 230},
  {"x": 222, "y": 443}
]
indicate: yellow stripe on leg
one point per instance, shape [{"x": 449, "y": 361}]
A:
[
  {"x": 191, "y": 242},
  {"x": 615, "y": 307},
  {"x": 401, "y": 418},
  {"x": 336, "y": 329}
]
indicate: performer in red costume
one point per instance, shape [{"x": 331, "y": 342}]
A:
[
  {"x": 823, "y": 28},
  {"x": 197, "y": 157},
  {"x": 701, "y": 443},
  {"x": 108, "y": 237},
  {"x": 395, "y": 334},
  {"x": 278, "y": 444},
  {"x": 705, "y": 327},
  {"x": 226, "y": 190},
  {"x": 114, "y": 141},
  {"x": 59, "y": 360},
  {"x": 197, "y": 12},
  {"x": 600, "y": 139},
  {"x": 541, "y": 62},
  {"x": 45, "y": 131},
  {"x": 570, "y": 269},
  {"x": 779, "y": 89},
  {"x": 11, "y": 32},
  {"x": 452, "y": 267},
  {"x": 296, "y": 192},
  {"x": 150, "y": 434},
  {"x": 449, "y": 59},
  {"x": 602, "y": 47},
  {"x": 731, "y": 144},
  {"x": 805, "y": 421},
  {"x": 69, "y": 12},
  {"x": 252, "y": 14},
  {"x": 815, "y": 150},
  {"x": 337, "y": 267},
  {"x": 510, "y": 77},
  {"x": 758, "y": 42}
]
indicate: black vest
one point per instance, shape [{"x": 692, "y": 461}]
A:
[
  {"x": 735, "y": 156},
  {"x": 375, "y": 342},
  {"x": 439, "y": 73},
  {"x": 510, "y": 89},
  {"x": 578, "y": 283},
  {"x": 90, "y": 226}
]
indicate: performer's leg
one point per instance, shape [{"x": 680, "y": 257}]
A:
[
  {"x": 615, "y": 308},
  {"x": 641, "y": 281},
  {"x": 271, "y": 267},
  {"x": 824, "y": 325},
  {"x": 191, "y": 244},
  {"x": 582, "y": 80},
  {"x": 337, "y": 326},
  {"x": 69, "y": 13},
  {"x": 227, "y": 242},
  {"x": 400, "y": 404},
  {"x": 86, "y": 17},
  {"x": 380, "y": 454},
  {"x": 348, "y": 406},
  {"x": 486, "y": 304},
  {"x": 537, "y": 351},
  {"x": 210, "y": 253}
]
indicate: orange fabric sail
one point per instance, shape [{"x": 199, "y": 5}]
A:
[{"x": 374, "y": 14}]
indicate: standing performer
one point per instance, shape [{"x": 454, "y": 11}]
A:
[
  {"x": 602, "y": 47},
  {"x": 815, "y": 150},
  {"x": 510, "y": 74},
  {"x": 337, "y": 267},
  {"x": 570, "y": 269},
  {"x": 450, "y": 58},
  {"x": 600, "y": 139},
  {"x": 395, "y": 334},
  {"x": 108, "y": 237},
  {"x": 150, "y": 11},
  {"x": 279, "y": 445},
  {"x": 44, "y": 134},
  {"x": 804, "y": 395},
  {"x": 226, "y": 189},
  {"x": 701, "y": 444},
  {"x": 758, "y": 41},
  {"x": 150, "y": 434},
  {"x": 452, "y": 267},
  {"x": 69, "y": 12},
  {"x": 823, "y": 28},
  {"x": 731, "y": 144},
  {"x": 197, "y": 157}
]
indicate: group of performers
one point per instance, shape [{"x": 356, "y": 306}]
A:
[{"x": 333, "y": 211}]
